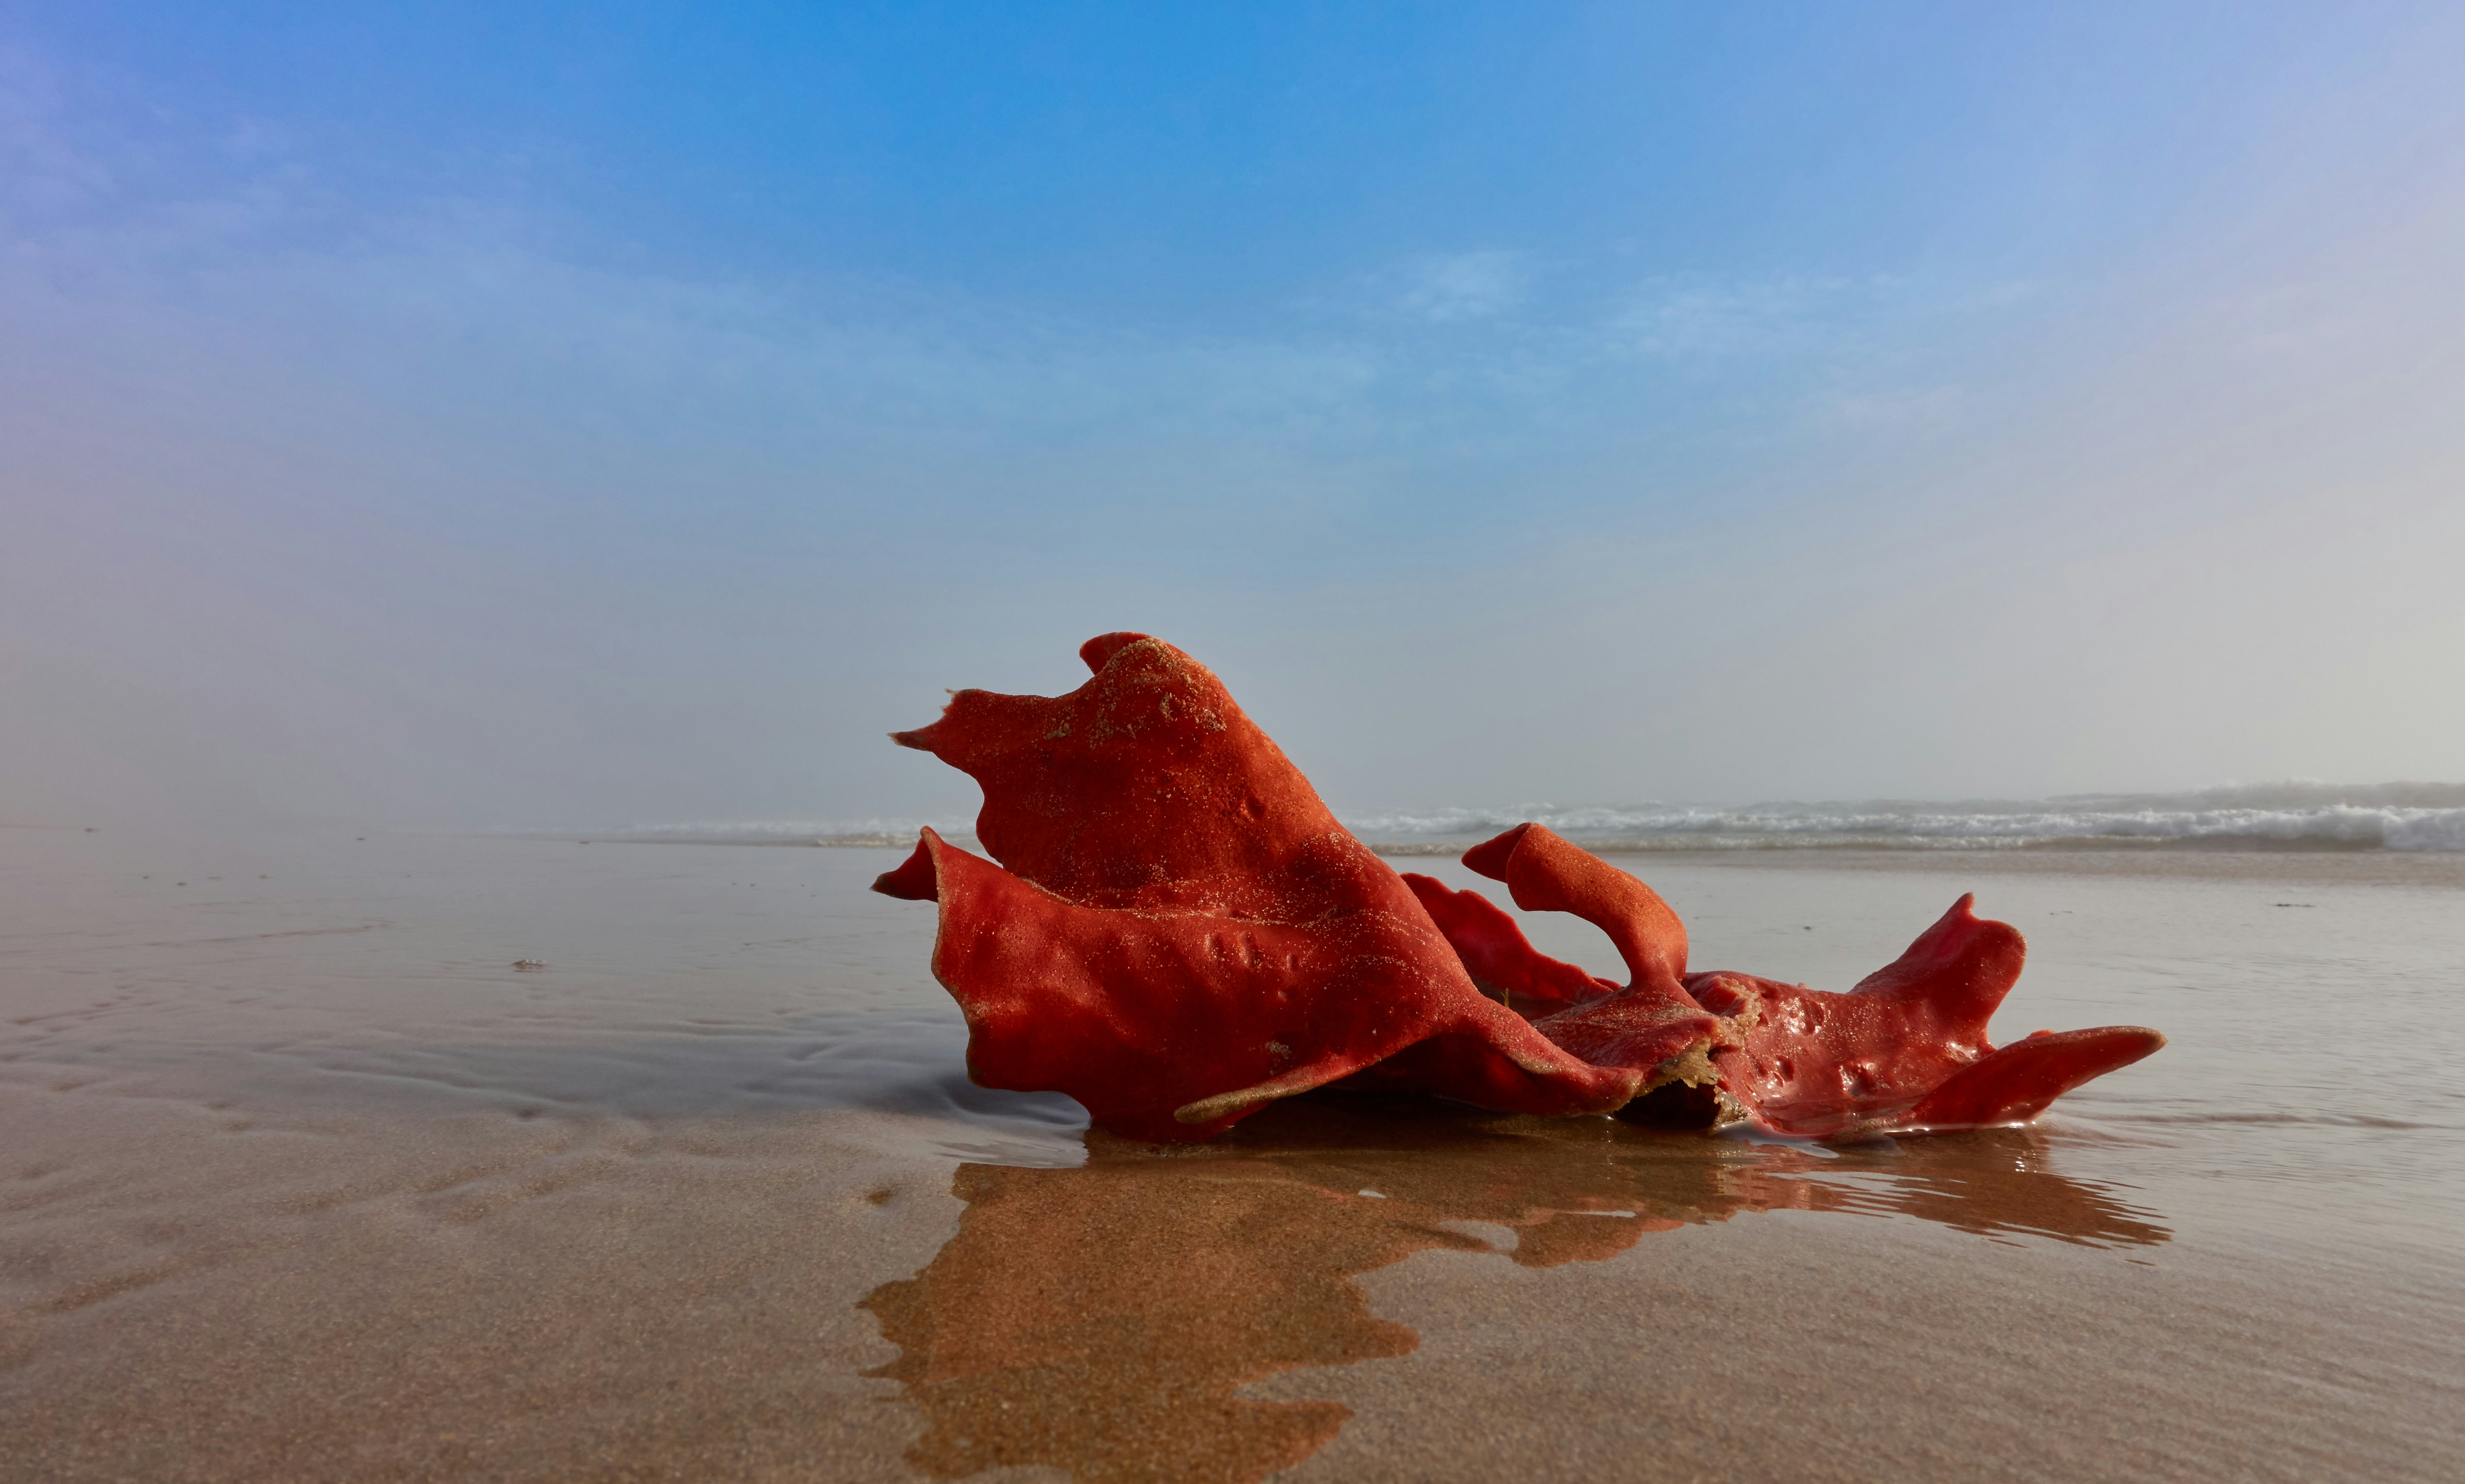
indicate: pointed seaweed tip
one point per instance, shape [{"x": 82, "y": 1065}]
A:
[
  {"x": 915, "y": 880},
  {"x": 1490, "y": 856},
  {"x": 1098, "y": 652}
]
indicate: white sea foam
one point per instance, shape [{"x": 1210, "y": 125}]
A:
[
  {"x": 2378, "y": 816},
  {"x": 2402, "y": 816}
]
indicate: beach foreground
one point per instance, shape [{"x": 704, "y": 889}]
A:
[{"x": 433, "y": 1158}]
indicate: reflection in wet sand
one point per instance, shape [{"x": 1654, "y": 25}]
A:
[{"x": 1101, "y": 1319}]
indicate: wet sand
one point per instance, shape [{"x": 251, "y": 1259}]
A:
[{"x": 303, "y": 1178}]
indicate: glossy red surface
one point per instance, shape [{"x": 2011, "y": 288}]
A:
[{"x": 1175, "y": 931}]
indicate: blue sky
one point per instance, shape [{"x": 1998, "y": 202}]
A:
[{"x": 510, "y": 414}]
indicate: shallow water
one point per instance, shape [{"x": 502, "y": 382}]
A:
[{"x": 304, "y": 1177}]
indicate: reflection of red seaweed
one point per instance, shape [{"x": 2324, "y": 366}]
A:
[
  {"x": 1179, "y": 933},
  {"x": 1101, "y": 1319},
  {"x": 1104, "y": 1320}
]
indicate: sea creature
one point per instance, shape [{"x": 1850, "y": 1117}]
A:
[{"x": 1175, "y": 931}]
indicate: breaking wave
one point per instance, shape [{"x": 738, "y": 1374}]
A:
[
  {"x": 2403, "y": 816},
  {"x": 2271, "y": 816}
]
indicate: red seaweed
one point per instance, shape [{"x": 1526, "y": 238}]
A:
[
  {"x": 1175, "y": 931},
  {"x": 1903, "y": 1050},
  {"x": 1501, "y": 959}
]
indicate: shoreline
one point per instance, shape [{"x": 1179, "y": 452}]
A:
[
  {"x": 2307, "y": 859},
  {"x": 2294, "y": 861}
]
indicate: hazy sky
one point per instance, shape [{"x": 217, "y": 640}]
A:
[{"x": 528, "y": 414}]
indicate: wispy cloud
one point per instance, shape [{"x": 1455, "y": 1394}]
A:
[
  {"x": 1465, "y": 285},
  {"x": 1704, "y": 318}
]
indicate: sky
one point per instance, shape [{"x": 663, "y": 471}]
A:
[{"x": 472, "y": 415}]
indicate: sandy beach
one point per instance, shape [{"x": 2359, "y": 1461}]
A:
[{"x": 303, "y": 1176}]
